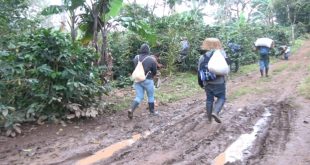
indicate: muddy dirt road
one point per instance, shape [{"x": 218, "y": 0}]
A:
[{"x": 268, "y": 124}]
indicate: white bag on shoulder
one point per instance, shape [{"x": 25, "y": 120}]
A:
[
  {"x": 218, "y": 64},
  {"x": 138, "y": 74}
]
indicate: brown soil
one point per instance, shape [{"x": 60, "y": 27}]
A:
[{"x": 181, "y": 134}]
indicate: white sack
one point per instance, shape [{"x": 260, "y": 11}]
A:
[
  {"x": 138, "y": 74},
  {"x": 218, "y": 64},
  {"x": 264, "y": 42}
]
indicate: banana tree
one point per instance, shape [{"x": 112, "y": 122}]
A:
[
  {"x": 70, "y": 7},
  {"x": 98, "y": 17}
]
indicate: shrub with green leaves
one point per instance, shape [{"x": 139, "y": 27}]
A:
[{"x": 46, "y": 76}]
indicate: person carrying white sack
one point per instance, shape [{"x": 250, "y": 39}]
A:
[
  {"x": 264, "y": 46},
  {"x": 214, "y": 64}
]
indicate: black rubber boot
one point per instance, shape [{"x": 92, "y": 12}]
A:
[
  {"x": 217, "y": 109},
  {"x": 134, "y": 106},
  {"x": 261, "y": 72},
  {"x": 152, "y": 110},
  {"x": 209, "y": 111},
  {"x": 151, "y": 107},
  {"x": 266, "y": 72}
]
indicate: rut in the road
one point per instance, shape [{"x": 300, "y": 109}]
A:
[{"x": 192, "y": 140}]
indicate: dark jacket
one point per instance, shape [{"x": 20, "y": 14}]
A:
[
  {"x": 219, "y": 78},
  {"x": 149, "y": 64}
]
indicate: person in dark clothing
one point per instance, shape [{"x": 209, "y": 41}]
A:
[
  {"x": 263, "y": 59},
  {"x": 184, "y": 50},
  {"x": 147, "y": 85},
  {"x": 264, "y": 47},
  {"x": 213, "y": 88}
]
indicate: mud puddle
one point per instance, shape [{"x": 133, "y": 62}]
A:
[
  {"x": 241, "y": 147},
  {"x": 109, "y": 151}
]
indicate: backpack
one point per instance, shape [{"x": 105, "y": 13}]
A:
[
  {"x": 264, "y": 51},
  {"x": 234, "y": 47},
  {"x": 203, "y": 73},
  {"x": 138, "y": 74}
]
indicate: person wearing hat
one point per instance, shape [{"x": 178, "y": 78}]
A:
[
  {"x": 215, "y": 87},
  {"x": 150, "y": 70}
]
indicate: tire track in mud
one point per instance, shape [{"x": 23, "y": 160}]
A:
[
  {"x": 143, "y": 123},
  {"x": 275, "y": 138},
  {"x": 193, "y": 141}
]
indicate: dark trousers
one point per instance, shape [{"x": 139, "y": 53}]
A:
[{"x": 218, "y": 91}]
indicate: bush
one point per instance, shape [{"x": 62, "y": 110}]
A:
[{"x": 45, "y": 76}]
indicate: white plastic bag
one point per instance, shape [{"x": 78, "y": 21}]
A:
[
  {"x": 138, "y": 74},
  {"x": 218, "y": 64},
  {"x": 264, "y": 42}
]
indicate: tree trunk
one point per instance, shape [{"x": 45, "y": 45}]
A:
[
  {"x": 103, "y": 51},
  {"x": 72, "y": 27},
  {"x": 95, "y": 28}
]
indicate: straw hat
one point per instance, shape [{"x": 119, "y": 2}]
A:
[{"x": 211, "y": 43}]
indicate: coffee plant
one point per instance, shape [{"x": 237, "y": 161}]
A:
[{"x": 46, "y": 76}]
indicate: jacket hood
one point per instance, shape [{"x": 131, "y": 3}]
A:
[{"x": 144, "y": 49}]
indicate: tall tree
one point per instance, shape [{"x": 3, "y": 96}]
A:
[
  {"x": 71, "y": 8},
  {"x": 292, "y": 12},
  {"x": 262, "y": 11},
  {"x": 13, "y": 19},
  {"x": 99, "y": 18}
]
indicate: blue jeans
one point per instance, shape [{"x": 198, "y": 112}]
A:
[
  {"x": 146, "y": 85},
  {"x": 218, "y": 91},
  {"x": 263, "y": 64}
]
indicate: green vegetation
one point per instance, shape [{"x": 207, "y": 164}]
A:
[
  {"x": 297, "y": 45},
  {"x": 246, "y": 69},
  {"x": 280, "y": 68},
  {"x": 179, "y": 86},
  {"x": 47, "y": 81},
  {"x": 304, "y": 88},
  {"x": 121, "y": 104},
  {"x": 244, "y": 91}
]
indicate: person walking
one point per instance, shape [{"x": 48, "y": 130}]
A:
[
  {"x": 184, "y": 50},
  {"x": 150, "y": 70},
  {"x": 215, "y": 87},
  {"x": 263, "y": 59},
  {"x": 263, "y": 46}
]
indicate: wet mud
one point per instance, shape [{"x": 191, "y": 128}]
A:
[{"x": 193, "y": 140}]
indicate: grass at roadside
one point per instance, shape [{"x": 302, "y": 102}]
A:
[
  {"x": 297, "y": 45},
  {"x": 280, "y": 68},
  {"x": 304, "y": 88},
  {"x": 245, "y": 69},
  {"x": 244, "y": 91},
  {"x": 179, "y": 86}
]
